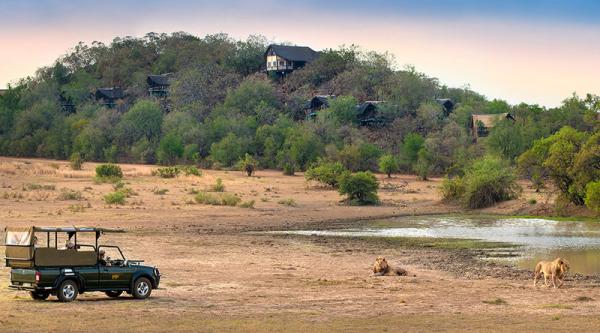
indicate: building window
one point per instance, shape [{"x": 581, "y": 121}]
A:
[{"x": 282, "y": 63}]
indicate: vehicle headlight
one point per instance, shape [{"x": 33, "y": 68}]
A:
[{"x": 156, "y": 272}]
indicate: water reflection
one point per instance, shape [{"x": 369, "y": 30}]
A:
[{"x": 542, "y": 239}]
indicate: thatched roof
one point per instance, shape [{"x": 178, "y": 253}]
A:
[
  {"x": 3, "y": 91},
  {"x": 365, "y": 106},
  {"x": 319, "y": 101},
  {"x": 293, "y": 53}
]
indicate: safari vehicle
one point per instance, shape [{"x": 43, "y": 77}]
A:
[{"x": 45, "y": 269}]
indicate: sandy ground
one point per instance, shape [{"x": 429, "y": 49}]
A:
[{"x": 219, "y": 275}]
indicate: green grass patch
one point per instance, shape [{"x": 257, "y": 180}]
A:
[
  {"x": 497, "y": 301},
  {"x": 557, "y": 306},
  {"x": 288, "y": 202}
]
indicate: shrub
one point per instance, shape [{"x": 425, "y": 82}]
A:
[
  {"x": 224, "y": 199},
  {"x": 248, "y": 204},
  {"x": 207, "y": 198},
  {"x": 289, "y": 169},
  {"x": 167, "y": 172},
  {"x": 388, "y": 165},
  {"x": 248, "y": 164},
  {"x": 160, "y": 191},
  {"x": 76, "y": 161},
  {"x": 488, "y": 181},
  {"x": 452, "y": 189},
  {"x": 288, "y": 202},
  {"x": 218, "y": 187},
  {"x": 190, "y": 170},
  {"x": 326, "y": 173},
  {"x": 115, "y": 198},
  {"x": 230, "y": 199},
  {"x": 360, "y": 188},
  {"x": 66, "y": 194},
  {"x": 109, "y": 172},
  {"x": 532, "y": 201},
  {"x": 118, "y": 185},
  {"x": 592, "y": 196}
]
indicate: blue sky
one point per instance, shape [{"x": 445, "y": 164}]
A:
[{"x": 533, "y": 51}]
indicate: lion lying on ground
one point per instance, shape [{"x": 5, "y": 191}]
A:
[
  {"x": 556, "y": 269},
  {"x": 381, "y": 267}
]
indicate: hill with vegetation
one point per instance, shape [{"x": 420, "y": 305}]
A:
[{"x": 222, "y": 108}]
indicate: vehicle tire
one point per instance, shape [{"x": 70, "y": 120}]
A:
[
  {"x": 39, "y": 295},
  {"x": 67, "y": 292},
  {"x": 142, "y": 288},
  {"x": 114, "y": 293}
]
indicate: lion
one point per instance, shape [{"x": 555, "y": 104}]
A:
[
  {"x": 556, "y": 269},
  {"x": 381, "y": 267}
]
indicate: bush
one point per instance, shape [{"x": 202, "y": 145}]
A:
[
  {"x": 66, "y": 194},
  {"x": 248, "y": 164},
  {"x": 190, "y": 170},
  {"x": 229, "y": 199},
  {"x": 452, "y": 189},
  {"x": 592, "y": 196},
  {"x": 248, "y": 204},
  {"x": 224, "y": 199},
  {"x": 115, "y": 198},
  {"x": 207, "y": 198},
  {"x": 388, "y": 165},
  {"x": 488, "y": 181},
  {"x": 361, "y": 188},
  {"x": 218, "y": 186},
  {"x": 76, "y": 161},
  {"x": 167, "y": 172},
  {"x": 288, "y": 202},
  {"x": 160, "y": 191},
  {"x": 289, "y": 169},
  {"x": 119, "y": 185},
  {"x": 326, "y": 173},
  {"x": 109, "y": 172}
]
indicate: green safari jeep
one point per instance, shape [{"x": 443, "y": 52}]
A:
[{"x": 47, "y": 270}]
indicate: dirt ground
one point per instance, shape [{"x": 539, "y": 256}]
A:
[{"x": 221, "y": 274}]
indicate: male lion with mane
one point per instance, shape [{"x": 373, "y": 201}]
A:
[
  {"x": 556, "y": 269},
  {"x": 381, "y": 267}
]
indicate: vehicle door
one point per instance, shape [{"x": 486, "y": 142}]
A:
[
  {"x": 90, "y": 276},
  {"x": 115, "y": 275}
]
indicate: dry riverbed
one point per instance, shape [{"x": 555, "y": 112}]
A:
[{"x": 221, "y": 273}]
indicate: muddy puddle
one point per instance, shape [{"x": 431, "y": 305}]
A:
[{"x": 539, "y": 239}]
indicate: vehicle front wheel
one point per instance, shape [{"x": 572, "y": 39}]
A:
[
  {"x": 142, "y": 288},
  {"x": 114, "y": 293},
  {"x": 67, "y": 292},
  {"x": 39, "y": 295}
]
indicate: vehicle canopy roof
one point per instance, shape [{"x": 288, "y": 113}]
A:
[{"x": 22, "y": 236}]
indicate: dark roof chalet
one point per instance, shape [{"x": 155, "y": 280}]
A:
[
  {"x": 159, "y": 80},
  {"x": 319, "y": 101},
  {"x": 3, "y": 92},
  {"x": 293, "y": 53},
  {"x": 109, "y": 93},
  {"x": 365, "y": 106}
]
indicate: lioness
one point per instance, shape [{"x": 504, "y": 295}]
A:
[
  {"x": 381, "y": 267},
  {"x": 555, "y": 269}
]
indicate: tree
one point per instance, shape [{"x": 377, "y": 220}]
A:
[
  {"x": 592, "y": 197},
  {"x": 326, "y": 173},
  {"x": 388, "y": 165},
  {"x": 360, "y": 188},
  {"x": 144, "y": 120},
  {"x": 170, "y": 149},
  {"x": 229, "y": 150},
  {"x": 341, "y": 110},
  {"x": 411, "y": 146}
]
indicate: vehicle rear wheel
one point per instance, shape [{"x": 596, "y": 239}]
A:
[
  {"x": 114, "y": 293},
  {"x": 142, "y": 288},
  {"x": 39, "y": 295},
  {"x": 67, "y": 292}
]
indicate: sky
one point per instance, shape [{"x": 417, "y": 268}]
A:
[{"x": 538, "y": 52}]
